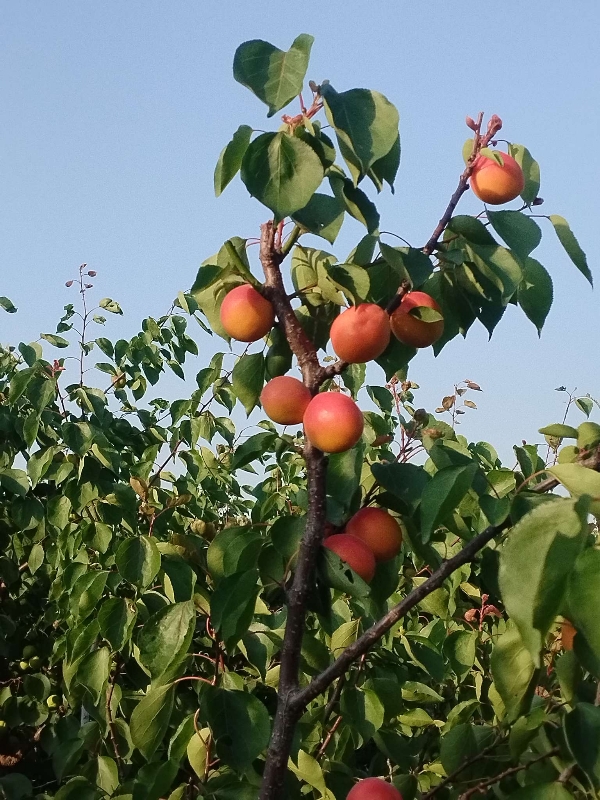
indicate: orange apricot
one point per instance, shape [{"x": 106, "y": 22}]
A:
[
  {"x": 246, "y": 315},
  {"x": 333, "y": 422},
  {"x": 411, "y": 330},
  {"x": 360, "y": 333},
  {"x": 378, "y": 530},
  {"x": 373, "y": 789},
  {"x": 285, "y": 399},
  {"x": 354, "y": 552},
  {"x": 494, "y": 183}
]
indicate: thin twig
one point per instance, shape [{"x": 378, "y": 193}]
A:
[
  {"x": 512, "y": 771},
  {"x": 469, "y": 762},
  {"x": 110, "y": 721}
]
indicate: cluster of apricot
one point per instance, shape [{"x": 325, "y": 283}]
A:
[
  {"x": 370, "y": 536},
  {"x": 332, "y": 421}
]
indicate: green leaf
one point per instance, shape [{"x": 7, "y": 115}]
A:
[
  {"x": 407, "y": 482},
  {"x": 471, "y": 229},
  {"x": 207, "y": 275},
  {"x": 353, "y": 281},
  {"x": 583, "y": 597},
  {"x": 559, "y": 430},
  {"x": 92, "y": 673},
  {"x": 531, "y": 171},
  {"x": 408, "y": 262},
  {"x": 340, "y": 575},
  {"x": 110, "y": 305},
  {"x": 150, "y": 719},
  {"x": 248, "y": 378},
  {"x": 579, "y": 480},
  {"x": 240, "y": 725},
  {"x": 458, "y": 746},
  {"x": 459, "y": 648},
  {"x": 138, "y": 560},
  {"x": 355, "y": 201},
  {"x": 197, "y": 751},
  {"x": 282, "y": 172},
  {"x": 344, "y": 636},
  {"x": 14, "y": 481},
  {"x": 323, "y": 216},
  {"x": 165, "y": 639},
  {"x": 107, "y": 774},
  {"x": 535, "y": 563},
  {"x": 366, "y": 126},
  {"x": 442, "y": 495},
  {"x": 386, "y": 168},
  {"x": 571, "y": 245},
  {"x": 53, "y": 339},
  {"x": 535, "y": 292},
  {"x": 582, "y": 729},
  {"x": 585, "y": 404},
  {"x": 252, "y": 448},
  {"x": 521, "y": 233},
  {"x": 343, "y": 479},
  {"x": 274, "y": 76},
  {"x": 363, "y": 710},
  {"x": 232, "y": 606},
  {"x": 233, "y": 550},
  {"x": 230, "y": 160},
  {"x": 512, "y": 671},
  {"x": 116, "y": 618},
  {"x": 7, "y": 305}
]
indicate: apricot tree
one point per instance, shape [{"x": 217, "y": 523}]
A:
[{"x": 167, "y": 630}]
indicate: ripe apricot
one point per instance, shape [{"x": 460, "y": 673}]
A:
[
  {"x": 567, "y": 634},
  {"x": 285, "y": 399},
  {"x": 411, "y": 330},
  {"x": 354, "y": 552},
  {"x": 360, "y": 333},
  {"x": 373, "y": 789},
  {"x": 496, "y": 184},
  {"x": 333, "y": 422},
  {"x": 378, "y": 530},
  {"x": 246, "y": 315}
]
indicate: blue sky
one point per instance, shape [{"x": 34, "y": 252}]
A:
[{"x": 113, "y": 116}]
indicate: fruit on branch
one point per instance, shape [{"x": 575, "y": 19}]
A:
[
  {"x": 567, "y": 634},
  {"x": 494, "y": 183},
  {"x": 373, "y": 789},
  {"x": 35, "y": 663},
  {"x": 354, "y": 552},
  {"x": 333, "y": 422},
  {"x": 53, "y": 702},
  {"x": 29, "y": 651},
  {"x": 378, "y": 530},
  {"x": 246, "y": 315},
  {"x": 285, "y": 399},
  {"x": 360, "y": 333},
  {"x": 411, "y": 330}
]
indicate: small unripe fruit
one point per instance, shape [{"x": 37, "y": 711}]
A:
[
  {"x": 246, "y": 315},
  {"x": 354, "y": 552},
  {"x": 23, "y": 666},
  {"x": 53, "y": 702},
  {"x": 360, "y": 333},
  {"x": 373, "y": 789},
  {"x": 29, "y": 651},
  {"x": 413, "y": 331},
  {"x": 333, "y": 422},
  {"x": 3, "y": 727},
  {"x": 285, "y": 399},
  {"x": 496, "y": 184},
  {"x": 378, "y": 530},
  {"x": 35, "y": 662}
]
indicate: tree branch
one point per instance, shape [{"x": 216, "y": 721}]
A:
[
  {"x": 479, "y": 142},
  {"x": 469, "y": 762},
  {"x": 512, "y": 771}
]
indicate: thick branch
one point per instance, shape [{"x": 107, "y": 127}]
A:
[
  {"x": 479, "y": 142},
  {"x": 288, "y": 712},
  {"x": 274, "y": 290}
]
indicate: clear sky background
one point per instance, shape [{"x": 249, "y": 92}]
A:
[{"x": 113, "y": 115}]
